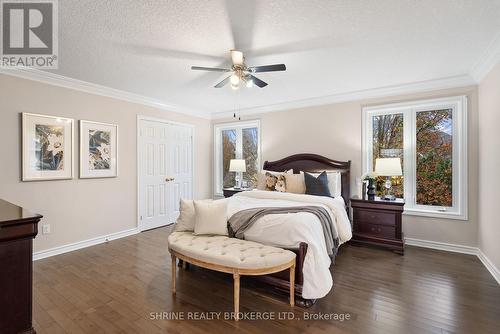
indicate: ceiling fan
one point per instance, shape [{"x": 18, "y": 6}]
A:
[{"x": 241, "y": 73}]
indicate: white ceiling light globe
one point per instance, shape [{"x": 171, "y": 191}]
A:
[{"x": 235, "y": 80}]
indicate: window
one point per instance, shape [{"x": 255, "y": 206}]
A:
[
  {"x": 236, "y": 141},
  {"x": 430, "y": 138}
]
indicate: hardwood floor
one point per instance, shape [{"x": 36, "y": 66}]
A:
[{"x": 114, "y": 287}]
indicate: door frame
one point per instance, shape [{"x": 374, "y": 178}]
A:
[{"x": 138, "y": 155}]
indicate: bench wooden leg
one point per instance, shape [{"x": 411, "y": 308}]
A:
[
  {"x": 236, "y": 277},
  {"x": 292, "y": 285},
  {"x": 174, "y": 264}
]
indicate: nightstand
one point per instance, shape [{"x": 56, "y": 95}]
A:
[
  {"x": 378, "y": 223},
  {"x": 228, "y": 192}
]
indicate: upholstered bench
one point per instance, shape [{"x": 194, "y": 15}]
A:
[{"x": 230, "y": 255}]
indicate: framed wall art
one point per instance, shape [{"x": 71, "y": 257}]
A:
[
  {"x": 47, "y": 147},
  {"x": 98, "y": 149}
]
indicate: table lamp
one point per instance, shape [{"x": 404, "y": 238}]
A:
[
  {"x": 238, "y": 166},
  {"x": 388, "y": 167}
]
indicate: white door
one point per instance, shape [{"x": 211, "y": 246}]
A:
[
  {"x": 165, "y": 171},
  {"x": 180, "y": 167}
]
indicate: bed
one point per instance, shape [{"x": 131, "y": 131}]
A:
[{"x": 309, "y": 163}]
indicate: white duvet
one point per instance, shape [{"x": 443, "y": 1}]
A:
[{"x": 290, "y": 229}]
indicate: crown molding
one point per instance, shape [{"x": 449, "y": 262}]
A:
[
  {"x": 87, "y": 87},
  {"x": 487, "y": 61},
  {"x": 416, "y": 87}
]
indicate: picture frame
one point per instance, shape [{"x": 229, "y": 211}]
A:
[
  {"x": 98, "y": 150},
  {"x": 47, "y": 147}
]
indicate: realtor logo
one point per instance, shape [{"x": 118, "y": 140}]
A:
[{"x": 29, "y": 34}]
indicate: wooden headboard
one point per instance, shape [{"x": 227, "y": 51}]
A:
[{"x": 314, "y": 163}]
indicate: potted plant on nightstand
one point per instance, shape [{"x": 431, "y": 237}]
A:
[{"x": 370, "y": 177}]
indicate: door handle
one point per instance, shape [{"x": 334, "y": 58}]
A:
[{"x": 168, "y": 179}]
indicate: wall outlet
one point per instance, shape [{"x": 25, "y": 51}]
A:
[{"x": 45, "y": 228}]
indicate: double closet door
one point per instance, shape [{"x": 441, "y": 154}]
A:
[{"x": 165, "y": 164}]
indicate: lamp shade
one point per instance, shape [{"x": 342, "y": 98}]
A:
[
  {"x": 237, "y": 165},
  {"x": 388, "y": 167}
]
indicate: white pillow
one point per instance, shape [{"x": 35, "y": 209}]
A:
[
  {"x": 211, "y": 217},
  {"x": 334, "y": 183},
  {"x": 186, "y": 219},
  {"x": 295, "y": 183}
]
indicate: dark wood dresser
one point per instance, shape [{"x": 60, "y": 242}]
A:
[
  {"x": 378, "y": 223},
  {"x": 18, "y": 228}
]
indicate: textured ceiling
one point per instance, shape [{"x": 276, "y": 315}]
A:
[{"x": 329, "y": 47}]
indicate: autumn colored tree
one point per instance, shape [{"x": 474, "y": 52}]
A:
[
  {"x": 250, "y": 154},
  {"x": 249, "y": 142},
  {"x": 434, "y": 154},
  {"x": 228, "y": 153},
  {"x": 388, "y": 143},
  {"x": 434, "y": 158}
]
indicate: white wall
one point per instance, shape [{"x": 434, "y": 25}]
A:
[
  {"x": 335, "y": 132},
  {"x": 489, "y": 157},
  {"x": 81, "y": 209}
]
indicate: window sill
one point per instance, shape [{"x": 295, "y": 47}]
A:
[{"x": 435, "y": 214}]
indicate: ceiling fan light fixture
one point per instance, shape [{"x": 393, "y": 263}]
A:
[
  {"x": 235, "y": 79},
  {"x": 240, "y": 75},
  {"x": 237, "y": 57}
]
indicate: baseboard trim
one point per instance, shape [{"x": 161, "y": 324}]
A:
[
  {"x": 489, "y": 265},
  {"x": 457, "y": 249},
  {"x": 442, "y": 246},
  {"x": 83, "y": 244}
]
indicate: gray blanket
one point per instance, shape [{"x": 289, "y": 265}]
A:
[{"x": 244, "y": 219}]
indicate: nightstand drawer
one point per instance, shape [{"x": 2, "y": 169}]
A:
[
  {"x": 375, "y": 217},
  {"x": 383, "y": 231}
]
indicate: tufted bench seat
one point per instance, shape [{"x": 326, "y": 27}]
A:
[{"x": 230, "y": 255}]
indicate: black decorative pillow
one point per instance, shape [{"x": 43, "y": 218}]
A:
[{"x": 317, "y": 185}]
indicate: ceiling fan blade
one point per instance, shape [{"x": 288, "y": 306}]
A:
[
  {"x": 237, "y": 57},
  {"x": 258, "y": 82},
  {"x": 213, "y": 69},
  {"x": 223, "y": 82},
  {"x": 267, "y": 68}
]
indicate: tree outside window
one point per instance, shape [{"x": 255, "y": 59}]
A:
[
  {"x": 236, "y": 141},
  {"x": 388, "y": 143}
]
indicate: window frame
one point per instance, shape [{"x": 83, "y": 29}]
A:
[
  {"x": 238, "y": 126},
  {"x": 458, "y": 105}
]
